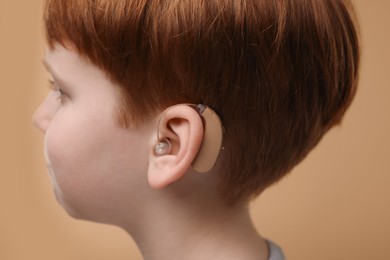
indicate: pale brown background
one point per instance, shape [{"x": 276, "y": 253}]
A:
[{"x": 335, "y": 205}]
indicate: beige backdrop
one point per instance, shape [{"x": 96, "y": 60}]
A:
[{"x": 335, "y": 205}]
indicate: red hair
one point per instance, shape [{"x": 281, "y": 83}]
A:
[{"x": 279, "y": 73}]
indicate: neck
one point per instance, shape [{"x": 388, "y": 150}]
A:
[{"x": 199, "y": 231}]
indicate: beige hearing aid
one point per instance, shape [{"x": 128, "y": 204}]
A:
[
  {"x": 211, "y": 143},
  {"x": 212, "y": 140}
]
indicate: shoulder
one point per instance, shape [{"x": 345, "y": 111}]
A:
[{"x": 275, "y": 252}]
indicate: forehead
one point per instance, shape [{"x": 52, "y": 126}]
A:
[
  {"x": 59, "y": 57},
  {"x": 68, "y": 64},
  {"x": 79, "y": 77}
]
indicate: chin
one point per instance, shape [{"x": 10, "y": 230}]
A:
[
  {"x": 78, "y": 211},
  {"x": 69, "y": 209}
]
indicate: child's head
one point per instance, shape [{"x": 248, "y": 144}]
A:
[{"x": 280, "y": 74}]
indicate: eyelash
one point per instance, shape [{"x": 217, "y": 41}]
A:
[{"x": 54, "y": 86}]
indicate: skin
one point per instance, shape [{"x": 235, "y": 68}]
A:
[
  {"x": 87, "y": 154},
  {"x": 105, "y": 173}
]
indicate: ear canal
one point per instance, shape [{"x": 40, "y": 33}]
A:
[{"x": 163, "y": 147}]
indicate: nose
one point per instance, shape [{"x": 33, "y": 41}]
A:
[{"x": 45, "y": 113}]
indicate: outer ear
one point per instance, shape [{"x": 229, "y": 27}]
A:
[{"x": 183, "y": 127}]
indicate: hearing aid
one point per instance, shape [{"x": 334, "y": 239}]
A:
[
  {"x": 211, "y": 144},
  {"x": 163, "y": 147},
  {"x": 212, "y": 140}
]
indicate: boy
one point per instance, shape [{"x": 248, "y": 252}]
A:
[{"x": 167, "y": 117}]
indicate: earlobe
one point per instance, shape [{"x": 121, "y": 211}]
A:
[{"x": 181, "y": 127}]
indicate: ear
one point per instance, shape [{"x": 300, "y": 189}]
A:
[{"x": 183, "y": 127}]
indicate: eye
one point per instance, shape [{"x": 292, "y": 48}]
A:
[{"x": 55, "y": 87}]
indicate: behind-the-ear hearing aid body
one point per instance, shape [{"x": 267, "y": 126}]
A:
[
  {"x": 212, "y": 140},
  {"x": 211, "y": 143}
]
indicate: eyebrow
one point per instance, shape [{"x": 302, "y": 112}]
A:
[{"x": 56, "y": 77}]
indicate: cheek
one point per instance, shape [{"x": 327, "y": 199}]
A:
[
  {"x": 69, "y": 165},
  {"x": 93, "y": 164}
]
